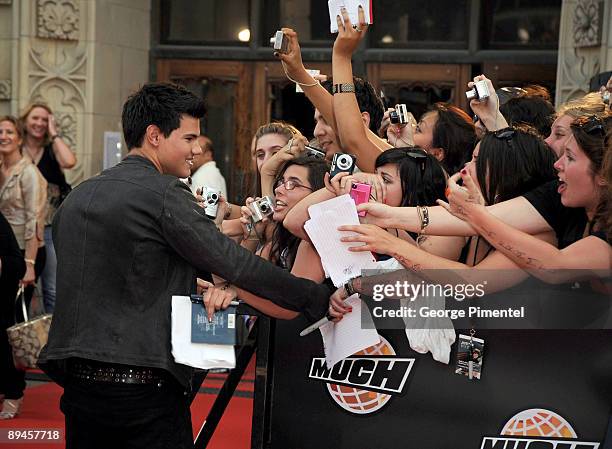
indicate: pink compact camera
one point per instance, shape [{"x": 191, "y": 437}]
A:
[{"x": 360, "y": 194}]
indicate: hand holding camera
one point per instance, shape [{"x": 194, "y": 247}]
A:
[
  {"x": 342, "y": 162},
  {"x": 340, "y": 184},
  {"x": 252, "y": 220},
  {"x": 208, "y": 198},
  {"x": 291, "y": 57},
  {"x": 485, "y": 103},
  {"x": 398, "y": 125}
]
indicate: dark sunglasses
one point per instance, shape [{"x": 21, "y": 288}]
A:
[
  {"x": 591, "y": 125},
  {"x": 505, "y": 134},
  {"x": 418, "y": 157}
]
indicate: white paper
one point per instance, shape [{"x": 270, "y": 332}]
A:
[
  {"x": 351, "y": 6},
  {"x": 347, "y": 337},
  {"x": 340, "y": 263},
  {"x": 435, "y": 335},
  {"x": 197, "y": 355},
  {"x": 311, "y": 72}
]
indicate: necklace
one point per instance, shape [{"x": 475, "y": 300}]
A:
[{"x": 35, "y": 155}]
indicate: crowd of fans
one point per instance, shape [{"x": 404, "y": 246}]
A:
[{"x": 517, "y": 187}]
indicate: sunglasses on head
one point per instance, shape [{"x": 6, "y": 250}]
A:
[
  {"x": 591, "y": 125},
  {"x": 417, "y": 156},
  {"x": 505, "y": 134}
]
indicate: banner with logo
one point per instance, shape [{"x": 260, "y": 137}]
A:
[{"x": 538, "y": 389}]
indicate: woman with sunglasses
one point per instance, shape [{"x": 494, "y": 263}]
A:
[
  {"x": 412, "y": 177},
  {"x": 575, "y": 207},
  {"x": 519, "y": 151}
]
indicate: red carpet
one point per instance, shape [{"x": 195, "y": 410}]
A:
[{"x": 41, "y": 411}]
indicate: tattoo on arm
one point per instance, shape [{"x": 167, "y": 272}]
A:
[{"x": 407, "y": 263}]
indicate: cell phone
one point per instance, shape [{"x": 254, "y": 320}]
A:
[{"x": 361, "y": 194}]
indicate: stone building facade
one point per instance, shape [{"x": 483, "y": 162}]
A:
[{"x": 83, "y": 57}]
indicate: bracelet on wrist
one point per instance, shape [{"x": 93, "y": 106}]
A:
[
  {"x": 55, "y": 136},
  {"x": 349, "y": 287},
  {"x": 30, "y": 261},
  {"x": 228, "y": 212}
]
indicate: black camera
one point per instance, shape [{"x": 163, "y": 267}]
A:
[
  {"x": 400, "y": 115},
  {"x": 280, "y": 42},
  {"x": 342, "y": 162}
]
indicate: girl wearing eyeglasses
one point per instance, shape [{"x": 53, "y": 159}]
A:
[{"x": 295, "y": 180}]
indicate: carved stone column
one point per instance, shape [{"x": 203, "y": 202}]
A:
[
  {"x": 81, "y": 57},
  {"x": 585, "y": 46}
]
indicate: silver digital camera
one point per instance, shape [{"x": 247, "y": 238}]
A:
[
  {"x": 280, "y": 42},
  {"x": 211, "y": 201},
  {"x": 342, "y": 162},
  {"x": 400, "y": 115},
  {"x": 261, "y": 208},
  {"x": 479, "y": 92}
]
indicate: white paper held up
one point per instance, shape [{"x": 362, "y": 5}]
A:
[
  {"x": 197, "y": 355},
  {"x": 346, "y": 337},
  {"x": 351, "y": 6},
  {"x": 340, "y": 263}
]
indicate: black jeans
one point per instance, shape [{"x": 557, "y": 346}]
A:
[
  {"x": 12, "y": 381},
  {"x": 126, "y": 416}
]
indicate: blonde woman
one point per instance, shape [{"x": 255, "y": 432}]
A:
[
  {"x": 46, "y": 147},
  {"x": 23, "y": 198}
]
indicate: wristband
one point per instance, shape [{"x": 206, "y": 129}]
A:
[
  {"x": 30, "y": 261},
  {"x": 349, "y": 288},
  {"x": 344, "y": 88}
]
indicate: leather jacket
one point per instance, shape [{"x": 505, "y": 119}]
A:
[{"x": 126, "y": 241}]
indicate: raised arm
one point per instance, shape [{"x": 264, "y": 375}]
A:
[
  {"x": 488, "y": 108},
  {"x": 296, "y": 72},
  {"x": 353, "y": 134},
  {"x": 64, "y": 155}
]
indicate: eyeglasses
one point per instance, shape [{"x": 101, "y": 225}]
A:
[
  {"x": 505, "y": 134},
  {"x": 290, "y": 184},
  {"x": 591, "y": 125}
]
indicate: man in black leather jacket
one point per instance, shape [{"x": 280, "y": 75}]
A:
[{"x": 126, "y": 241}]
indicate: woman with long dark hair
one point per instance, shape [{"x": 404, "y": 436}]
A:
[{"x": 519, "y": 151}]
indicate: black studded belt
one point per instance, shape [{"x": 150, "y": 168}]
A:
[{"x": 94, "y": 371}]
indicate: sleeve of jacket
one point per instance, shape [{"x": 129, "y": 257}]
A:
[
  {"x": 195, "y": 237},
  {"x": 13, "y": 265}
]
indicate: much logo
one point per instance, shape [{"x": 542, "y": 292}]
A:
[
  {"x": 537, "y": 428},
  {"x": 364, "y": 382}
]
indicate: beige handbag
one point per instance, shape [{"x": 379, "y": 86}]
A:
[{"x": 29, "y": 337}]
